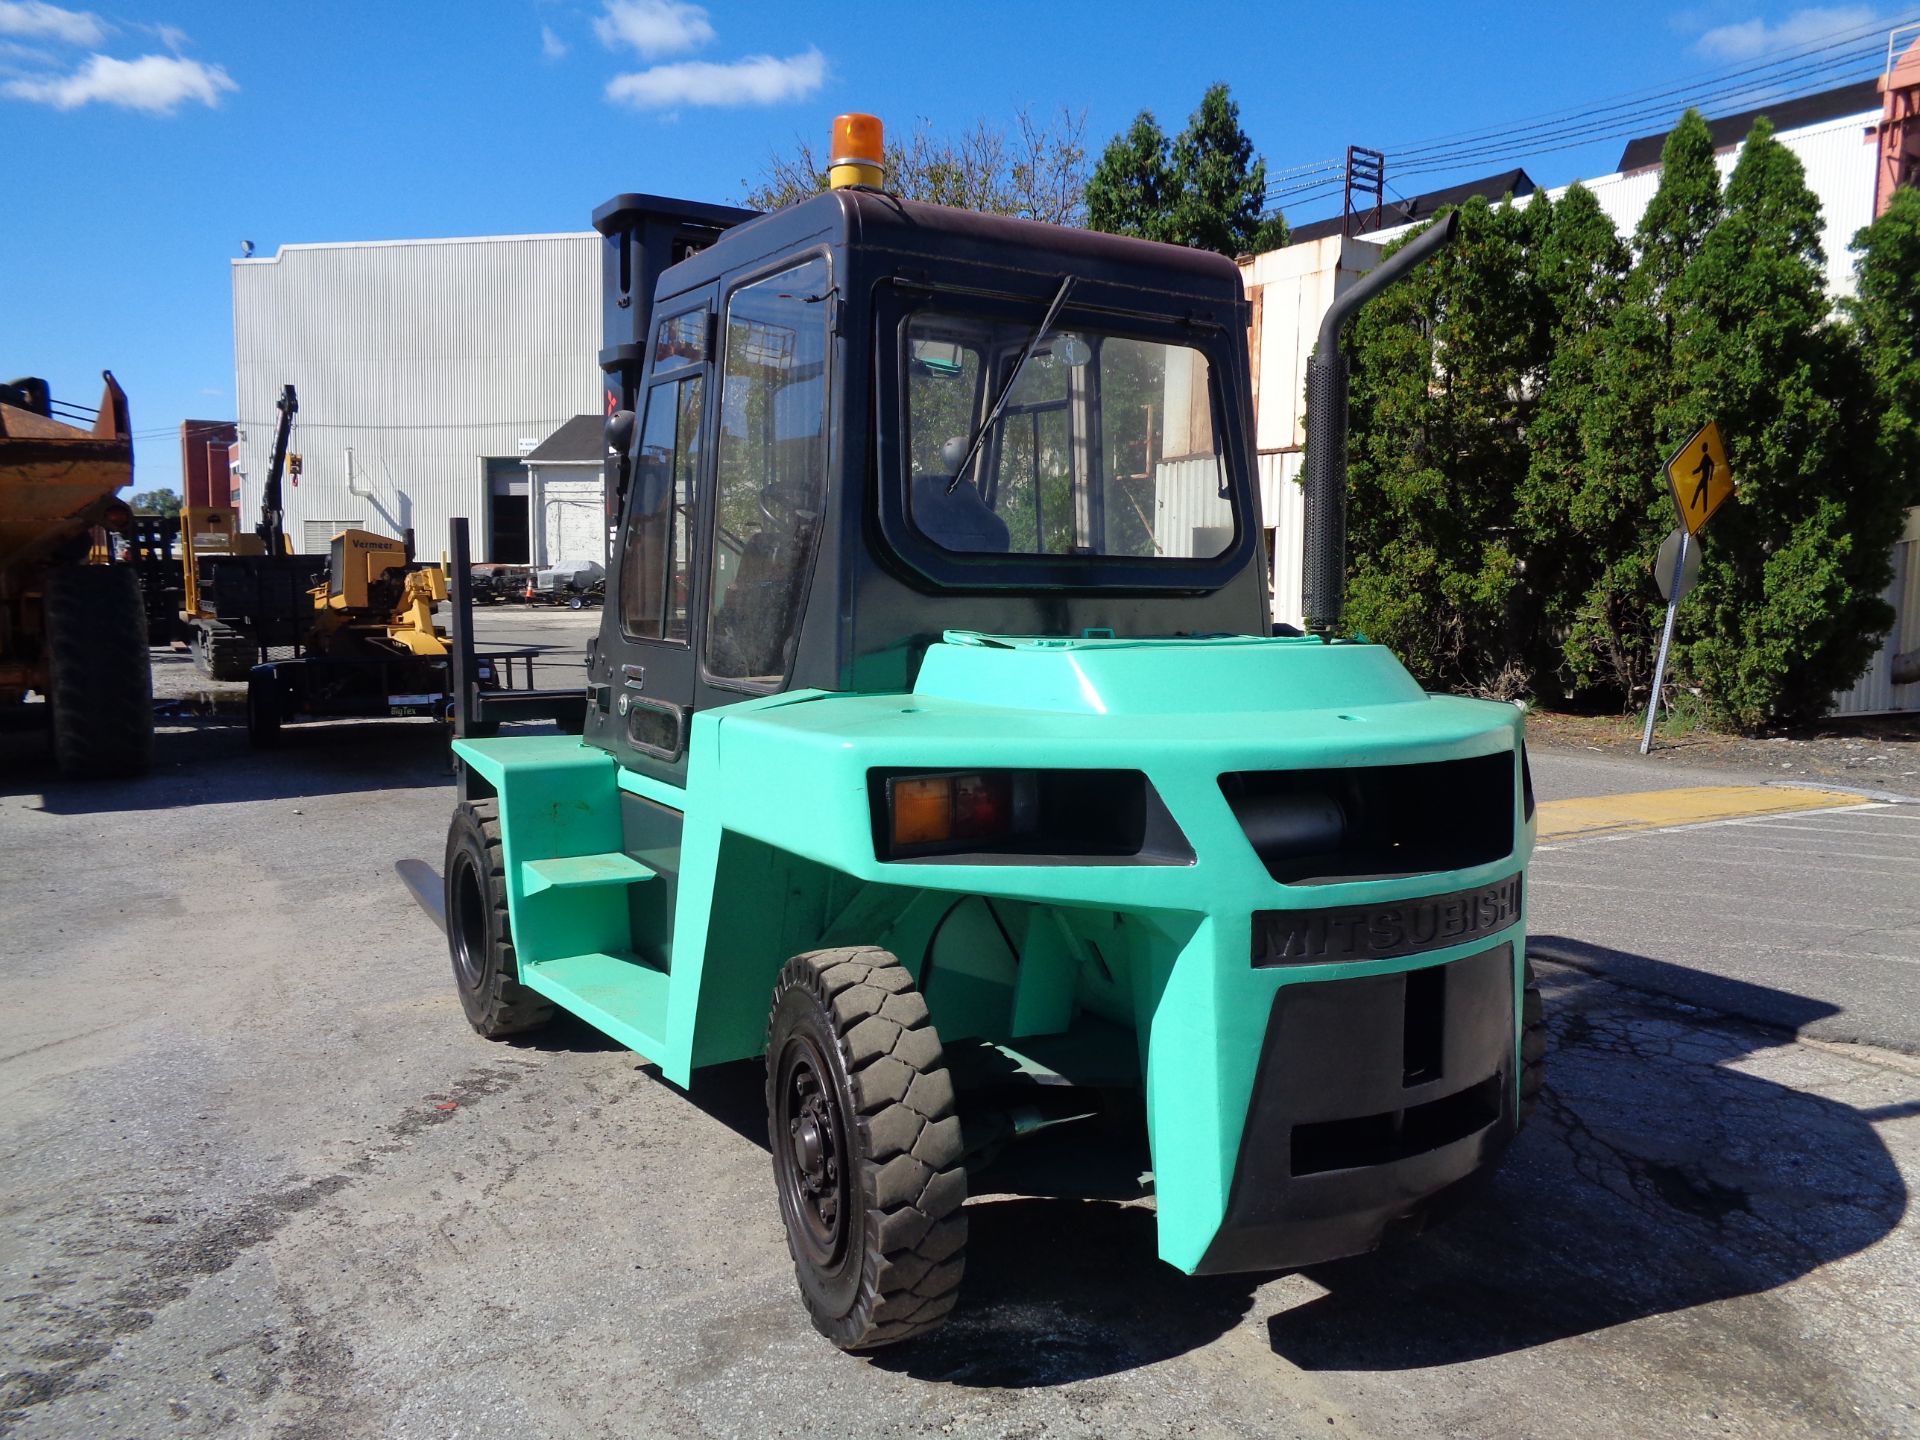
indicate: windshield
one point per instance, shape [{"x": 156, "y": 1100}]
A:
[{"x": 1105, "y": 444}]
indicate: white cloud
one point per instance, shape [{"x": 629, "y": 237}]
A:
[
  {"x": 654, "y": 27},
  {"x": 551, "y": 45},
  {"x": 1751, "y": 38},
  {"x": 12, "y": 53},
  {"x": 41, "y": 21},
  {"x": 756, "y": 80},
  {"x": 157, "y": 84}
]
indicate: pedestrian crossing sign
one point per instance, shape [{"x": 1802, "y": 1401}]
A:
[{"x": 1700, "y": 478}]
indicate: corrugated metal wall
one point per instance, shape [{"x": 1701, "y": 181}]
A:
[
  {"x": 1839, "y": 166},
  {"x": 1875, "y": 692},
  {"x": 1291, "y": 291},
  {"x": 423, "y": 357}
]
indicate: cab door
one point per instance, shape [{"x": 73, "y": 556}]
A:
[{"x": 642, "y": 679}]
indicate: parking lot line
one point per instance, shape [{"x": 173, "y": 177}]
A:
[{"x": 1594, "y": 816}]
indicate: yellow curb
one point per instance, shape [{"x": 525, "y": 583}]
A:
[{"x": 1593, "y": 815}]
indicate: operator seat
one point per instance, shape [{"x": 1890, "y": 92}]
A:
[
  {"x": 958, "y": 521},
  {"x": 754, "y": 620}
]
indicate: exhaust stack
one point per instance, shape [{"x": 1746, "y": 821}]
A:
[{"x": 1324, "y": 579}]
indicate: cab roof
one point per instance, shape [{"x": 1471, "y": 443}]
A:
[{"x": 913, "y": 231}]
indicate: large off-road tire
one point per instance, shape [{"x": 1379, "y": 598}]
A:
[
  {"x": 1533, "y": 1045},
  {"x": 866, "y": 1147},
  {"x": 99, "y": 675},
  {"x": 484, "y": 966},
  {"x": 221, "y": 653}
]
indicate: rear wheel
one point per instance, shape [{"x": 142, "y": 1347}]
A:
[
  {"x": 485, "y": 968},
  {"x": 866, "y": 1147},
  {"x": 99, "y": 675},
  {"x": 1533, "y": 1045}
]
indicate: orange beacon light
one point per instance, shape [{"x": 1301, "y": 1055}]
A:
[{"x": 858, "y": 156}]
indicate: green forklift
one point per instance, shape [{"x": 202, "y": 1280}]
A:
[{"x": 939, "y": 749}]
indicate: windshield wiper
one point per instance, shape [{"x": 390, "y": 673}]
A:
[{"x": 1006, "y": 386}]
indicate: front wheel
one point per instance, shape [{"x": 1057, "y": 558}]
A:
[
  {"x": 485, "y": 968},
  {"x": 866, "y": 1147}
]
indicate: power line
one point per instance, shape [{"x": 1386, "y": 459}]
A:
[
  {"x": 1626, "y": 114},
  {"x": 1701, "y": 86},
  {"x": 1517, "y": 145}
]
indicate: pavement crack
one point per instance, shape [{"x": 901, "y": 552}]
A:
[{"x": 88, "y": 1332}]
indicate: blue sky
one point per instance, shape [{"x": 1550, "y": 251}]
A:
[{"x": 145, "y": 141}]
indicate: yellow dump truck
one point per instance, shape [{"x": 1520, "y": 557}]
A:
[{"x": 73, "y": 627}]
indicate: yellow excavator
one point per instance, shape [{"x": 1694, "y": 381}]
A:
[
  {"x": 370, "y": 646},
  {"x": 358, "y": 622}
]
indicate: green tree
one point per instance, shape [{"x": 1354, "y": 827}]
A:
[
  {"x": 1446, "y": 366},
  {"x": 1788, "y": 609},
  {"x": 1885, "y": 316},
  {"x": 1132, "y": 190},
  {"x": 155, "y": 502},
  {"x": 1205, "y": 187},
  {"x": 1569, "y": 522},
  {"x": 1633, "y": 420},
  {"x": 1036, "y": 170}
]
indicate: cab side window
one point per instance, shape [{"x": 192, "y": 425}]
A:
[
  {"x": 771, "y": 471},
  {"x": 654, "y": 592}
]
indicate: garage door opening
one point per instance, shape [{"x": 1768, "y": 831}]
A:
[{"x": 509, "y": 530}]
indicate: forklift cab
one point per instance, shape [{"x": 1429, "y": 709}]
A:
[{"x": 860, "y": 422}]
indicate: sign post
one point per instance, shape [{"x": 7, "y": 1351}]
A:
[
  {"x": 1674, "y": 592},
  {"x": 1701, "y": 482}
]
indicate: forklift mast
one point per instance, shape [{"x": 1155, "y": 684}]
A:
[{"x": 272, "y": 528}]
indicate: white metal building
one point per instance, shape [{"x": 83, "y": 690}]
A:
[
  {"x": 566, "y": 482},
  {"x": 1291, "y": 290},
  {"x": 426, "y": 370}
]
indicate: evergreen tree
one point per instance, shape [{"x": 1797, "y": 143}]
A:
[
  {"x": 1788, "y": 609},
  {"x": 1131, "y": 190},
  {"x": 1885, "y": 316},
  {"x": 1570, "y": 525},
  {"x": 1633, "y": 422},
  {"x": 1206, "y": 188},
  {"x": 1446, "y": 366}
]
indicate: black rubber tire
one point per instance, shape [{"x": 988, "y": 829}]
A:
[
  {"x": 221, "y": 653},
  {"x": 263, "y": 713},
  {"x": 1533, "y": 1045},
  {"x": 99, "y": 674},
  {"x": 479, "y": 937},
  {"x": 854, "y": 1062}
]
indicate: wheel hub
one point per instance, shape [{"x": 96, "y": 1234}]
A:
[{"x": 813, "y": 1175}]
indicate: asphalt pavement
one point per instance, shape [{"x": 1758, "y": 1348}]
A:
[
  {"x": 258, "y": 1178},
  {"x": 1807, "y": 919}
]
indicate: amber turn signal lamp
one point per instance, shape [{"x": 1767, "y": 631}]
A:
[
  {"x": 922, "y": 810},
  {"x": 858, "y": 155},
  {"x": 943, "y": 809}
]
